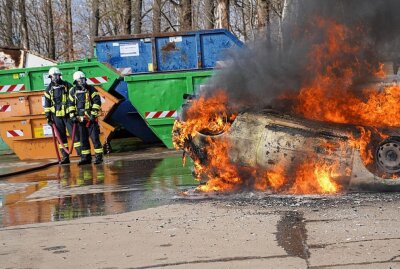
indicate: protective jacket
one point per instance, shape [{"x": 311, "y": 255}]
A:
[
  {"x": 56, "y": 99},
  {"x": 84, "y": 101}
]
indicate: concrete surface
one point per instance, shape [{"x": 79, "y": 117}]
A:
[{"x": 214, "y": 234}]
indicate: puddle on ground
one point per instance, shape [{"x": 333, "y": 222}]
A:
[
  {"x": 292, "y": 234},
  {"x": 71, "y": 191}
]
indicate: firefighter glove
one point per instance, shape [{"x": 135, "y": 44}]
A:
[
  {"x": 50, "y": 121},
  {"x": 92, "y": 118},
  {"x": 73, "y": 117},
  {"x": 94, "y": 112}
]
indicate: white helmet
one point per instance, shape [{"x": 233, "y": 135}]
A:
[
  {"x": 54, "y": 71},
  {"x": 78, "y": 75}
]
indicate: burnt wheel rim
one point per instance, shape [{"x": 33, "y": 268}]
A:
[{"x": 388, "y": 156}]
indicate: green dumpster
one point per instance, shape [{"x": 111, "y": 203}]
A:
[
  {"x": 36, "y": 78},
  {"x": 158, "y": 96}
]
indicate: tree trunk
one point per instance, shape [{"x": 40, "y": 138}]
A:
[
  {"x": 280, "y": 29},
  {"x": 264, "y": 20},
  {"x": 9, "y": 23},
  {"x": 209, "y": 8},
  {"x": 24, "y": 25},
  {"x": 156, "y": 16},
  {"x": 243, "y": 15},
  {"x": 185, "y": 18},
  {"x": 95, "y": 19},
  {"x": 127, "y": 17},
  {"x": 268, "y": 24},
  {"x": 50, "y": 30},
  {"x": 223, "y": 14},
  {"x": 261, "y": 14},
  {"x": 137, "y": 16},
  {"x": 70, "y": 38}
]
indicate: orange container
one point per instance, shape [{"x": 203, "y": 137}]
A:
[
  {"x": 31, "y": 103},
  {"x": 25, "y": 130},
  {"x": 108, "y": 102},
  {"x": 30, "y": 137},
  {"x": 21, "y": 104}
]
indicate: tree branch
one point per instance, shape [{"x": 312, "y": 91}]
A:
[
  {"x": 174, "y": 3},
  {"x": 169, "y": 22}
]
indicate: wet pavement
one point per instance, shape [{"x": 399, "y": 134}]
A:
[
  {"x": 133, "y": 181},
  {"x": 182, "y": 228},
  {"x": 67, "y": 192},
  {"x": 11, "y": 165}
]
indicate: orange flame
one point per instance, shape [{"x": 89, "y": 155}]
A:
[
  {"x": 362, "y": 145},
  {"x": 381, "y": 71},
  {"x": 208, "y": 114},
  {"x": 223, "y": 175},
  {"x": 328, "y": 96},
  {"x": 315, "y": 177}
]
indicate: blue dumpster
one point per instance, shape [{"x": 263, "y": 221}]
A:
[{"x": 165, "y": 52}]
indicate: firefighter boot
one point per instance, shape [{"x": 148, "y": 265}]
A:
[
  {"x": 99, "y": 158},
  {"x": 85, "y": 159},
  {"x": 65, "y": 158}
]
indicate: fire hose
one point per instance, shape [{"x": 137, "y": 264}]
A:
[
  {"x": 57, "y": 138},
  {"x": 89, "y": 122}
]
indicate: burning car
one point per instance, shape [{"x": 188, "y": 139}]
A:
[
  {"x": 337, "y": 127},
  {"x": 332, "y": 143},
  {"x": 278, "y": 152}
]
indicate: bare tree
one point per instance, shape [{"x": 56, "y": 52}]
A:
[
  {"x": 38, "y": 27},
  {"x": 268, "y": 22},
  {"x": 280, "y": 8},
  {"x": 9, "y": 23},
  {"x": 262, "y": 13},
  {"x": 24, "y": 25},
  {"x": 157, "y": 16},
  {"x": 94, "y": 29},
  {"x": 223, "y": 14},
  {"x": 245, "y": 9},
  {"x": 50, "y": 30},
  {"x": 209, "y": 8},
  {"x": 127, "y": 16},
  {"x": 137, "y": 16},
  {"x": 185, "y": 18},
  {"x": 46, "y": 26},
  {"x": 69, "y": 36},
  {"x": 264, "y": 19}
]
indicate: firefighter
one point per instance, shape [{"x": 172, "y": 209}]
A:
[
  {"x": 84, "y": 107},
  {"x": 55, "y": 109}
]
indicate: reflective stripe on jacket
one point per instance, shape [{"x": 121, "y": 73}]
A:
[
  {"x": 56, "y": 98},
  {"x": 84, "y": 100}
]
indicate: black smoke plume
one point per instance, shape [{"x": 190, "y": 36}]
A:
[{"x": 260, "y": 72}]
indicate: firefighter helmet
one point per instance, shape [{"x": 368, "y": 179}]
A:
[
  {"x": 54, "y": 71},
  {"x": 78, "y": 75}
]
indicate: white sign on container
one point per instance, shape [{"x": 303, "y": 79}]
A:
[
  {"x": 47, "y": 131},
  {"x": 129, "y": 49},
  {"x": 175, "y": 39},
  {"x": 46, "y": 79}
]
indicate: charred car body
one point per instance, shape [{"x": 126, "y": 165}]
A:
[{"x": 266, "y": 139}]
